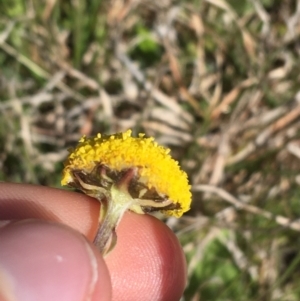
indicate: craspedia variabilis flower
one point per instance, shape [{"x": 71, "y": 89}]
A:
[{"x": 129, "y": 173}]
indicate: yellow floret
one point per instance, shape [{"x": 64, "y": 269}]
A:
[{"x": 120, "y": 151}]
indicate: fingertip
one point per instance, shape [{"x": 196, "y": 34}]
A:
[
  {"x": 147, "y": 261},
  {"x": 24, "y": 201},
  {"x": 47, "y": 261}
]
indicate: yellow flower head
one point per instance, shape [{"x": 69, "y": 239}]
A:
[{"x": 158, "y": 177}]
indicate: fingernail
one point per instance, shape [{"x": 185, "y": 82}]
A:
[{"x": 42, "y": 261}]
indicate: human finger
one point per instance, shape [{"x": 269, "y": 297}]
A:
[
  {"x": 147, "y": 254},
  {"x": 23, "y": 201},
  {"x": 147, "y": 262},
  {"x": 42, "y": 260}
]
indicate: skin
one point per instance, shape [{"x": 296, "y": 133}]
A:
[{"x": 46, "y": 246}]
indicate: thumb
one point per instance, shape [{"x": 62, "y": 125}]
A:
[{"x": 47, "y": 261}]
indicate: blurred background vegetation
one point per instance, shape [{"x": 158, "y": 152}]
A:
[{"x": 216, "y": 81}]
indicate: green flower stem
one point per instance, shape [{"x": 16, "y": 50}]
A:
[{"x": 120, "y": 200}]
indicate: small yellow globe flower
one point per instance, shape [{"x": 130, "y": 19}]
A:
[{"x": 125, "y": 172}]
